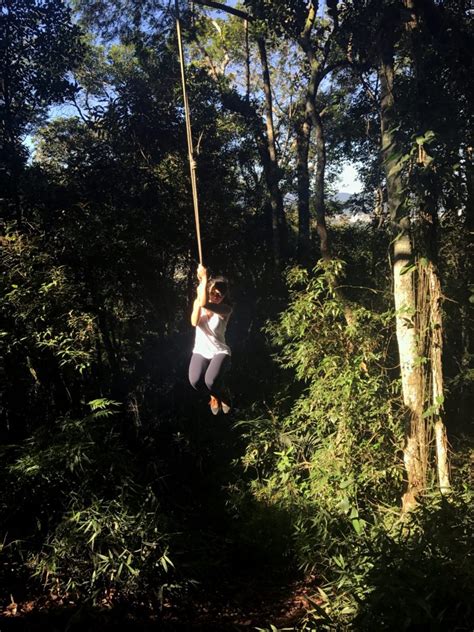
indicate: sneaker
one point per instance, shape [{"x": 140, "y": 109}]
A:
[
  {"x": 214, "y": 404},
  {"x": 225, "y": 408}
]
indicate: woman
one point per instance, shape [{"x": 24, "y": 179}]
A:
[{"x": 211, "y": 354}]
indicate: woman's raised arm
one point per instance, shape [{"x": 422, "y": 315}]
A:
[{"x": 201, "y": 295}]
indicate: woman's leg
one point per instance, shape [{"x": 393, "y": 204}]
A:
[
  {"x": 197, "y": 370},
  {"x": 214, "y": 373}
]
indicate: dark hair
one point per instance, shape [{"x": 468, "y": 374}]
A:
[{"x": 222, "y": 285}]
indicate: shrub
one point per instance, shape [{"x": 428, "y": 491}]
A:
[{"x": 89, "y": 527}]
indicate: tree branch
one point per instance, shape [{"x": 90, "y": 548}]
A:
[{"x": 223, "y": 7}]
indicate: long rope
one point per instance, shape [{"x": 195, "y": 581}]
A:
[{"x": 192, "y": 162}]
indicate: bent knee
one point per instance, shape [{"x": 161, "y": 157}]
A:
[
  {"x": 210, "y": 384},
  {"x": 194, "y": 383}
]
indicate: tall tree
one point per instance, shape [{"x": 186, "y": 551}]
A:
[
  {"x": 403, "y": 271},
  {"x": 313, "y": 29},
  {"x": 408, "y": 40},
  {"x": 265, "y": 134},
  {"x": 39, "y": 46}
]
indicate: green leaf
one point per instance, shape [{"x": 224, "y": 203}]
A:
[
  {"x": 358, "y": 525},
  {"x": 425, "y": 138},
  {"x": 409, "y": 267},
  {"x": 344, "y": 505}
]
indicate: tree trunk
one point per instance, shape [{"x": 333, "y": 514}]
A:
[
  {"x": 429, "y": 300},
  {"x": 320, "y": 206},
  {"x": 415, "y": 450},
  {"x": 436, "y": 353},
  {"x": 428, "y": 217},
  {"x": 303, "y": 132},
  {"x": 279, "y": 228},
  {"x": 234, "y": 102},
  {"x": 314, "y": 118},
  {"x": 247, "y": 62}
]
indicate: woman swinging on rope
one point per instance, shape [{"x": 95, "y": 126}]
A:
[
  {"x": 211, "y": 310},
  {"x": 211, "y": 355}
]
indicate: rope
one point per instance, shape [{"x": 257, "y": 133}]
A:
[{"x": 192, "y": 162}]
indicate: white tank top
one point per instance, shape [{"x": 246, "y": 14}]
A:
[{"x": 210, "y": 334}]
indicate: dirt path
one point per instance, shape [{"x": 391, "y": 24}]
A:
[{"x": 243, "y": 605}]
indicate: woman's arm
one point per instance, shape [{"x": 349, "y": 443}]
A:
[{"x": 201, "y": 295}]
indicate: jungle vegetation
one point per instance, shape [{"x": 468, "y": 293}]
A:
[{"x": 346, "y": 462}]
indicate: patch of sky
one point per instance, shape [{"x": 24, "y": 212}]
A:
[{"x": 348, "y": 181}]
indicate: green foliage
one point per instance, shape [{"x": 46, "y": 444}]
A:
[
  {"x": 105, "y": 547},
  {"x": 327, "y": 458},
  {"x": 284, "y": 18},
  {"x": 94, "y": 528},
  {"x": 332, "y": 457},
  {"x": 40, "y": 47},
  {"x": 416, "y": 572},
  {"x": 41, "y": 304}
]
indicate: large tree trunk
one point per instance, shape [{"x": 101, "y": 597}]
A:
[
  {"x": 428, "y": 217},
  {"x": 415, "y": 450},
  {"x": 429, "y": 301}
]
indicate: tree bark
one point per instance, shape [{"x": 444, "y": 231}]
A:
[
  {"x": 319, "y": 70},
  {"x": 415, "y": 456},
  {"x": 303, "y": 133},
  {"x": 320, "y": 206},
  {"x": 436, "y": 353},
  {"x": 428, "y": 217}
]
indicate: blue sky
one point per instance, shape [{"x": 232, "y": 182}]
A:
[{"x": 347, "y": 182}]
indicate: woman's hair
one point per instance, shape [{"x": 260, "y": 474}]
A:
[{"x": 222, "y": 285}]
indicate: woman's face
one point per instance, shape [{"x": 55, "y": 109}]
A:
[{"x": 214, "y": 295}]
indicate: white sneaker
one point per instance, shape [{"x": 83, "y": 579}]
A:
[{"x": 225, "y": 408}]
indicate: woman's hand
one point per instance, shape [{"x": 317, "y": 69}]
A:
[{"x": 201, "y": 272}]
